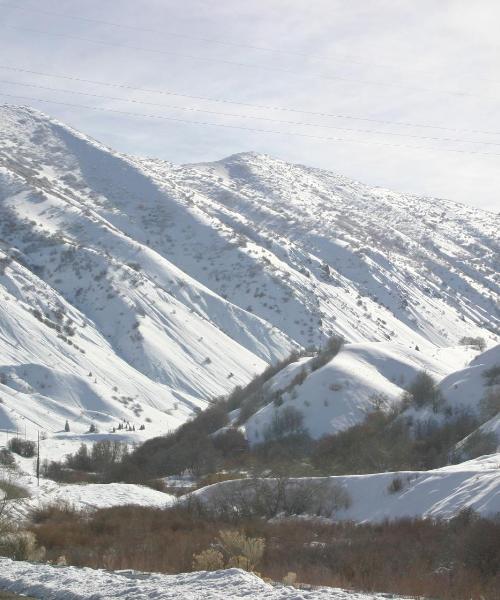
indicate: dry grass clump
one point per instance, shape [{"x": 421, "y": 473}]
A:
[
  {"x": 21, "y": 545},
  {"x": 232, "y": 549},
  {"x": 15, "y": 543}
]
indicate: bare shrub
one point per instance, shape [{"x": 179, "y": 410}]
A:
[
  {"x": 423, "y": 391},
  {"x": 386, "y": 441},
  {"x": 54, "y": 513},
  {"x": 287, "y": 421},
  {"x": 476, "y": 342},
  {"x": 479, "y": 443},
  {"x": 7, "y": 459},
  {"x": 11, "y": 490},
  {"x": 395, "y": 486},
  {"x": 274, "y": 496},
  {"x": 386, "y": 556},
  {"x": 490, "y": 404},
  {"x": 25, "y": 448},
  {"x": 331, "y": 349},
  {"x": 492, "y": 375},
  {"x": 319, "y": 498},
  {"x": 8, "y": 492},
  {"x": 290, "y": 578}
]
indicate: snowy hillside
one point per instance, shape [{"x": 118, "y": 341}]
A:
[
  {"x": 466, "y": 387},
  {"x": 361, "y": 377},
  {"x": 318, "y": 253},
  {"x": 94, "y": 324},
  {"x": 135, "y": 290},
  {"x": 439, "y": 493}
]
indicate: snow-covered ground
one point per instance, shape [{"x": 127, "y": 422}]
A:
[
  {"x": 439, "y": 493},
  {"x": 70, "y": 583},
  {"x": 135, "y": 290},
  {"x": 93, "y": 496},
  {"x": 80, "y": 496},
  {"x": 332, "y": 397}
]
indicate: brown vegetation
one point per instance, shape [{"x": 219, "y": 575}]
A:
[{"x": 448, "y": 560}]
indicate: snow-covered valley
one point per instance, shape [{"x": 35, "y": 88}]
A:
[{"x": 134, "y": 293}]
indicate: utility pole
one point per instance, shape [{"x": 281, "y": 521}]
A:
[{"x": 38, "y": 461}]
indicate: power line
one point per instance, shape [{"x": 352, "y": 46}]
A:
[
  {"x": 165, "y": 32},
  {"x": 345, "y": 57},
  {"x": 457, "y": 93},
  {"x": 236, "y": 103},
  {"x": 282, "y": 122},
  {"x": 251, "y": 129}
]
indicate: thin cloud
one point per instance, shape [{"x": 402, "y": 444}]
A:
[{"x": 447, "y": 45}]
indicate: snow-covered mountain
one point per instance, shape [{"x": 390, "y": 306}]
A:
[{"x": 135, "y": 289}]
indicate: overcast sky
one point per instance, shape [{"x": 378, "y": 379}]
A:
[{"x": 433, "y": 64}]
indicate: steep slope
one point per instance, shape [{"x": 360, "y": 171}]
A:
[
  {"x": 94, "y": 324},
  {"x": 315, "y": 253},
  {"x": 477, "y": 389},
  {"x": 137, "y": 290}
]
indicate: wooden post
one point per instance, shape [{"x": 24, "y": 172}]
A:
[{"x": 38, "y": 461}]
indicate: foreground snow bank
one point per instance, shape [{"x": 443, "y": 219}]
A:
[{"x": 71, "y": 583}]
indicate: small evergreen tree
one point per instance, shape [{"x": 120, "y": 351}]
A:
[
  {"x": 66, "y": 426},
  {"x": 80, "y": 460}
]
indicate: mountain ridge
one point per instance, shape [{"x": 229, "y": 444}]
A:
[{"x": 187, "y": 280}]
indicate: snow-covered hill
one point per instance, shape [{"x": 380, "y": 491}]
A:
[
  {"x": 135, "y": 290},
  {"x": 84, "y": 497},
  {"x": 360, "y": 378},
  {"x": 439, "y": 493},
  {"x": 94, "y": 324}
]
